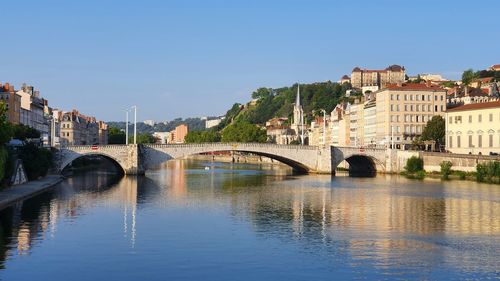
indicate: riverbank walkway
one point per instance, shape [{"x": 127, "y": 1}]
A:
[{"x": 27, "y": 190}]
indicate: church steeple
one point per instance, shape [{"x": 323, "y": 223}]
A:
[
  {"x": 298, "y": 117},
  {"x": 297, "y": 101}
]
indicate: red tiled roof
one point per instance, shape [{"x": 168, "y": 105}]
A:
[
  {"x": 414, "y": 87},
  {"x": 475, "y": 106}
]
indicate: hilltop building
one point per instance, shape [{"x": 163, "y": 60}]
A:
[{"x": 393, "y": 74}]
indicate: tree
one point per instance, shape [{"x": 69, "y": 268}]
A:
[
  {"x": 202, "y": 136},
  {"x": 262, "y": 93},
  {"x": 434, "y": 130},
  {"x": 142, "y": 138},
  {"x": 5, "y": 127},
  {"x": 23, "y": 132},
  {"x": 243, "y": 131},
  {"x": 116, "y": 136},
  {"x": 468, "y": 76}
]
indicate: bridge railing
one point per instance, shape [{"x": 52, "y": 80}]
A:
[
  {"x": 235, "y": 145},
  {"x": 87, "y": 147}
]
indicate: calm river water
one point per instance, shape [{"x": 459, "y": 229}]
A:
[{"x": 250, "y": 222}]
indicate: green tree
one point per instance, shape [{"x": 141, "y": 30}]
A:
[
  {"x": 243, "y": 131},
  {"x": 262, "y": 93},
  {"x": 23, "y": 132},
  {"x": 434, "y": 130},
  {"x": 142, "y": 138},
  {"x": 5, "y": 127},
  {"x": 202, "y": 136},
  {"x": 468, "y": 76},
  {"x": 36, "y": 161},
  {"x": 116, "y": 136}
]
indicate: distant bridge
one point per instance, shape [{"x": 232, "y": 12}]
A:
[{"x": 136, "y": 159}]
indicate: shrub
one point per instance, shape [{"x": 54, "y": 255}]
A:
[
  {"x": 420, "y": 175},
  {"x": 414, "y": 164},
  {"x": 461, "y": 175},
  {"x": 488, "y": 172},
  {"x": 36, "y": 161},
  {"x": 445, "y": 169}
]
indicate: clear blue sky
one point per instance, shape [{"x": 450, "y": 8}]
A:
[{"x": 196, "y": 58}]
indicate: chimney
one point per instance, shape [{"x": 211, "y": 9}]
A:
[{"x": 428, "y": 82}]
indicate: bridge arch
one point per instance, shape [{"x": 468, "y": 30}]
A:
[
  {"x": 70, "y": 156},
  {"x": 363, "y": 165},
  {"x": 302, "y": 159}
]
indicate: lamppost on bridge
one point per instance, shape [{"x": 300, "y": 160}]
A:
[
  {"x": 126, "y": 126},
  {"x": 135, "y": 123}
]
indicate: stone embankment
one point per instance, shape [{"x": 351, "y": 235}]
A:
[{"x": 16, "y": 193}]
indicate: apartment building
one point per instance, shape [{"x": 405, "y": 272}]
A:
[
  {"x": 473, "y": 128},
  {"x": 403, "y": 111},
  {"x": 12, "y": 101},
  {"x": 78, "y": 129},
  {"x": 393, "y": 74}
]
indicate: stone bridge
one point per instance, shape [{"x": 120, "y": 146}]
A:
[{"x": 136, "y": 159}]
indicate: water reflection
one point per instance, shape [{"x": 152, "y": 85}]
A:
[{"x": 387, "y": 225}]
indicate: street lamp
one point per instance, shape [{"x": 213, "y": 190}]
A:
[
  {"x": 135, "y": 123},
  {"x": 126, "y": 126}
]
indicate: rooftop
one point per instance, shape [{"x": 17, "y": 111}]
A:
[
  {"x": 475, "y": 106},
  {"x": 413, "y": 87}
]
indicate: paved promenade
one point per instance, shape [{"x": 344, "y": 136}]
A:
[{"x": 24, "y": 191}]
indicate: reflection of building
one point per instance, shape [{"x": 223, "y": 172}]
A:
[{"x": 473, "y": 128}]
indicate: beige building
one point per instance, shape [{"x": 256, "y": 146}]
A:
[
  {"x": 78, "y": 129},
  {"x": 474, "y": 128},
  {"x": 393, "y": 74},
  {"x": 320, "y": 133},
  {"x": 279, "y": 132},
  {"x": 403, "y": 111},
  {"x": 178, "y": 135},
  {"x": 12, "y": 101}
]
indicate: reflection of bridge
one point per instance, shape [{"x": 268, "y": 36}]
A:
[{"x": 135, "y": 159}]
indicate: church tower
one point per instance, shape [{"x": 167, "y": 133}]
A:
[{"x": 298, "y": 117}]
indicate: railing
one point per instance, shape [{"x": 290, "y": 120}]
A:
[{"x": 233, "y": 144}]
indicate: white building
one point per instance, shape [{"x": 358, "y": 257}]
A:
[
  {"x": 149, "y": 122},
  {"x": 163, "y": 137},
  {"x": 210, "y": 123}
]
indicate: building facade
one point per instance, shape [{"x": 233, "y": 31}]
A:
[
  {"x": 78, "y": 129},
  {"x": 473, "y": 128},
  {"x": 393, "y": 74},
  {"x": 12, "y": 102},
  {"x": 403, "y": 111}
]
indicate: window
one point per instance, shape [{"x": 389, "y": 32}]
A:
[
  {"x": 435, "y": 97},
  {"x": 491, "y": 117},
  {"x": 392, "y": 107},
  {"x": 423, "y": 97},
  {"x": 470, "y": 140},
  {"x": 416, "y": 118},
  {"x": 442, "y": 107},
  {"x": 411, "y": 97},
  {"x": 490, "y": 140},
  {"x": 450, "y": 142},
  {"x": 480, "y": 141},
  {"x": 392, "y": 97},
  {"x": 418, "y": 107},
  {"x": 406, "y": 97},
  {"x": 435, "y": 108},
  {"x": 458, "y": 119},
  {"x": 480, "y": 118},
  {"x": 397, "y": 97},
  {"x": 458, "y": 141},
  {"x": 441, "y": 97},
  {"x": 451, "y": 120},
  {"x": 428, "y": 97},
  {"x": 397, "y": 107},
  {"x": 411, "y": 107},
  {"x": 397, "y": 118},
  {"x": 417, "y": 97},
  {"x": 470, "y": 118},
  {"x": 429, "y": 107}
]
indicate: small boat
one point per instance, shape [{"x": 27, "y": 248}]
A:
[{"x": 207, "y": 168}]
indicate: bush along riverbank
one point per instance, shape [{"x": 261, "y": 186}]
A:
[{"x": 486, "y": 172}]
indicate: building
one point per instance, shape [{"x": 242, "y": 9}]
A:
[
  {"x": 320, "y": 131},
  {"x": 298, "y": 125},
  {"x": 178, "y": 135},
  {"x": 12, "y": 101},
  {"x": 78, "y": 129},
  {"x": 210, "y": 123},
  {"x": 151, "y": 123},
  {"x": 35, "y": 111},
  {"x": 369, "y": 122},
  {"x": 403, "y": 111},
  {"x": 279, "y": 132},
  {"x": 162, "y": 137},
  {"x": 345, "y": 79},
  {"x": 495, "y": 67},
  {"x": 393, "y": 74},
  {"x": 473, "y": 128}
]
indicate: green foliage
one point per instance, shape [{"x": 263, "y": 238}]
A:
[
  {"x": 243, "y": 132},
  {"x": 203, "y": 136},
  {"x": 5, "y": 127},
  {"x": 142, "y": 138},
  {"x": 280, "y": 102},
  {"x": 488, "y": 172},
  {"x": 116, "y": 136},
  {"x": 4, "y": 156},
  {"x": 230, "y": 115},
  {"x": 445, "y": 169},
  {"x": 192, "y": 123},
  {"x": 419, "y": 175},
  {"x": 434, "y": 130},
  {"x": 468, "y": 76},
  {"x": 23, "y": 132},
  {"x": 448, "y": 84},
  {"x": 414, "y": 164},
  {"x": 489, "y": 73},
  {"x": 36, "y": 160}
]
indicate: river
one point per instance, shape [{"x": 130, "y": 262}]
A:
[{"x": 252, "y": 222}]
